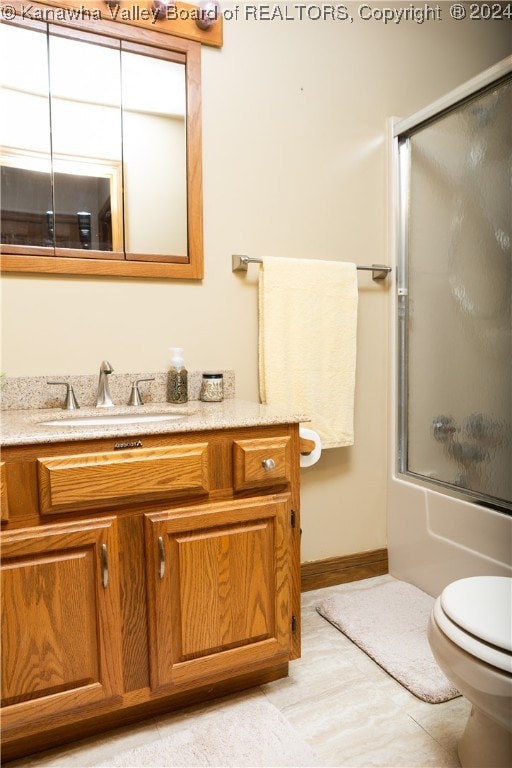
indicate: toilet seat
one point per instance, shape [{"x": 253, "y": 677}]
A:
[{"x": 476, "y": 614}]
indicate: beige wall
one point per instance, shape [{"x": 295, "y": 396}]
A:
[{"x": 294, "y": 165}]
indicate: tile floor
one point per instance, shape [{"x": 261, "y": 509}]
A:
[{"x": 342, "y": 703}]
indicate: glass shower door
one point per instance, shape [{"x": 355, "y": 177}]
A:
[{"x": 455, "y": 308}]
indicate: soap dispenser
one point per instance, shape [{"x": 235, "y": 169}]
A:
[{"x": 177, "y": 385}]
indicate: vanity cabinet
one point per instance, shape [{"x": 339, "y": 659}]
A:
[
  {"x": 61, "y": 628},
  {"x": 143, "y": 575}
]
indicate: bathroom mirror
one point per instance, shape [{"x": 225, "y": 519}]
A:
[{"x": 101, "y": 152}]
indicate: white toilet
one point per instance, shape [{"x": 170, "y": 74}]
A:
[{"x": 470, "y": 633}]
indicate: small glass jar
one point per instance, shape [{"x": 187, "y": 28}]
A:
[{"x": 212, "y": 388}]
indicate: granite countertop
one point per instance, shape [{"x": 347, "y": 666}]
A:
[{"x": 24, "y": 427}]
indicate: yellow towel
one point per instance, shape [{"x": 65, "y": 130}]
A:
[{"x": 307, "y": 342}]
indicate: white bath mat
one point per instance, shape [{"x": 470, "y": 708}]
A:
[
  {"x": 248, "y": 732},
  {"x": 388, "y": 621}
]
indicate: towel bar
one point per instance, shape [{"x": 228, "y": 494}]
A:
[{"x": 240, "y": 264}]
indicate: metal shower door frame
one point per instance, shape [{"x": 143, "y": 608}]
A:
[{"x": 401, "y": 169}]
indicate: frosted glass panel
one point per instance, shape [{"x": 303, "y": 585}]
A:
[{"x": 458, "y": 329}]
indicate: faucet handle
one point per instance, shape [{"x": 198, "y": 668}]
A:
[
  {"x": 70, "y": 402},
  {"x": 135, "y": 398}
]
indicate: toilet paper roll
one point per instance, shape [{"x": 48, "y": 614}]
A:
[{"x": 311, "y": 458}]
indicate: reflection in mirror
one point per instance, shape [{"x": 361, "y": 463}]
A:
[
  {"x": 74, "y": 229},
  {"x": 26, "y": 219},
  {"x": 154, "y": 155},
  {"x": 26, "y": 187},
  {"x": 87, "y": 188},
  {"x": 85, "y": 106}
]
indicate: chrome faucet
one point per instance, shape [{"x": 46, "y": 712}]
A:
[{"x": 103, "y": 399}]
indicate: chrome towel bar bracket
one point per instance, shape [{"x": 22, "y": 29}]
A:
[{"x": 241, "y": 263}]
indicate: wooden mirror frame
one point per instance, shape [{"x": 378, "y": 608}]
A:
[{"x": 34, "y": 259}]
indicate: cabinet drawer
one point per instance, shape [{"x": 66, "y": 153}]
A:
[
  {"x": 261, "y": 462},
  {"x": 103, "y": 479}
]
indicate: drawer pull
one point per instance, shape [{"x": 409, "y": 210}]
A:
[
  {"x": 268, "y": 464},
  {"x": 161, "y": 554},
  {"x": 104, "y": 565}
]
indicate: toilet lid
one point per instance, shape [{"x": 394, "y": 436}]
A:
[{"x": 482, "y": 606}]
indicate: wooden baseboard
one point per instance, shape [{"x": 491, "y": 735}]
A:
[{"x": 339, "y": 570}]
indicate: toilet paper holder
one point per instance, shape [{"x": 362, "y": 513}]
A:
[
  {"x": 310, "y": 447},
  {"x": 306, "y": 446}
]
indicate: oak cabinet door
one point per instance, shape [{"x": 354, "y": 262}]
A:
[
  {"x": 60, "y": 620},
  {"x": 219, "y": 589}
]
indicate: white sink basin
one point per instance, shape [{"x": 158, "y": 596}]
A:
[{"x": 106, "y": 419}]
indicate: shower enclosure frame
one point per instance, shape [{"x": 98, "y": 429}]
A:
[
  {"x": 434, "y": 534},
  {"x": 402, "y": 131}
]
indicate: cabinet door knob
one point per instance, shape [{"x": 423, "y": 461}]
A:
[
  {"x": 161, "y": 555},
  {"x": 268, "y": 464},
  {"x": 104, "y": 565}
]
